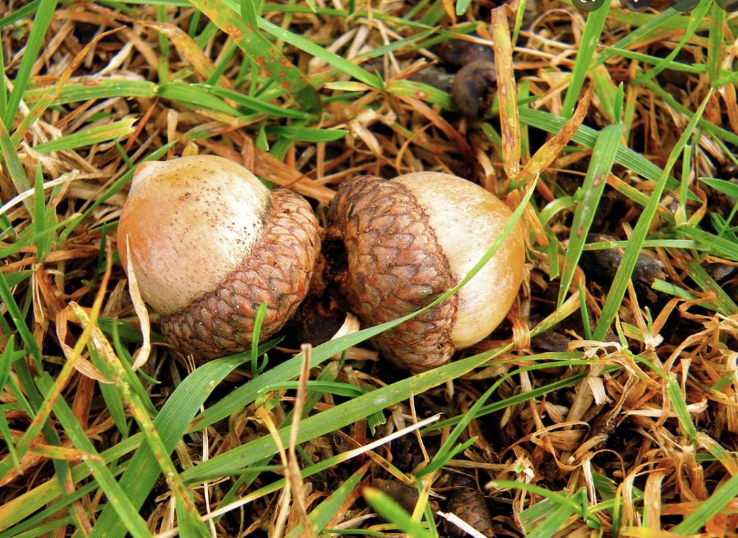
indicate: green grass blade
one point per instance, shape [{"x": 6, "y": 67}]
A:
[
  {"x": 525, "y": 396},
  {"x": 600, "y": 165},
  {"x": 588, "y": 136},
  {"x": 19, "y": 321},
  {"x": 111, "y": 394},
  {"x": 33, "y": 406},
  {"x": 676, "y": 291},
  {"x": 709, "y": 508},
  {"x": 716, "y": 42},
  {"x": 39, "y": 211},
  {"x": 254, "y": 104},
  {"x": 317, "y": 51},
  {"x": 3, "y": 91},
  {"x": 554, "y": 207},
  {"x": 730, "y": 78},
  {"x": 27, "y": 503},
  {"x": 695, "y": 19},
  {"x": 14, "y": 167},
  {"x": 89, "y": 137},
  {"x": 681, "y": 216},
  {"x": 680, "y": 408},
  {"x": 704, "y": 124},
  {"x": 538, "y": 512},
  {"x": 322, "y": 514},
  {"x": 18, "y": 14},
  {"x": 6, "y": 360},
  {"x": 260, "y": 50},
  {"x": 723, "y": 303},
  {"x": 120, "y": 502},
  {"x": 225, "y": 60},
  {"x": 306, "y": 134},
  {"x": 575, "y": 503},
  {"x": 392, "y": 512},
  {"x": 655, "y": 60},
  {"x": 41, "y": 22},
  {"x": 549, "y": 526},
  {"x": 726, "y": 187},
  {"x": 606, "y": 92},
  {"x": 171, "y": 423},
  {"x": 313, "y": 470},
  {"x": 256, "y": 334},
  {"x": 127, "y": 362},
  {"x": 632, "y": 251},
  {"x": 321, "y": 387},
  {"x": 248, "y": 13},
  {"x": 465, "y": 420},
  {"x": 339, "y": 416},
  {"x": 329, "y": 373},
  {"x": 618, "y": 109},
  {"x": 8, "y": 437},
  {"x": 410, "y": 88},
  {"x": 29, "y": 239},
  {"x": 449, "y": 454},
  {"x": 101, "y": 89},
  {"x": 39, "y": 530},
  {"x": 462, "y": 6},
  {"x": 592, "y": 32},
  {"x": 662, "y": 22},
  {"x": 195, "y": 96},
  {"x": 720, "y": 246}
]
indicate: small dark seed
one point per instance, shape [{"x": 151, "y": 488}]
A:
[
  {"x": 551, "y": 341},
  {"x": 459, "y": 52},
  {"x": 403, "y": 495},
  {"x": 473, "y": 88},
  {"x": 602, "y": 265},
  {"x": 471, "y": 506},
  {"x": 720, "y": 271}
]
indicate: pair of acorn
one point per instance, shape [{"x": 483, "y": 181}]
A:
[{"x": 209, "y": 243}]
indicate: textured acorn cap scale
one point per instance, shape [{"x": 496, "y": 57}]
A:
[
  {"x": 209, "y": 243},
  {"x": 410, "y": 239}
]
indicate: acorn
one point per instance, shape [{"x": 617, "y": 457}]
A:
[
  {"x": 209, "y": 243},
  {"x": 408, "y": 240}
]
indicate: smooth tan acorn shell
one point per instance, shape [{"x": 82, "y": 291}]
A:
[
  {"x": 207, "y": 227},
  {"x": 396, "y": 262}
]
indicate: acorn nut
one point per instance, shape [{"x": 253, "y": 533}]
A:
[
  {"x": 209, "y": 243},
  {"x": 409, "y": 240}
]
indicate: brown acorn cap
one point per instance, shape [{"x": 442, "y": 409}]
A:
[
  {"x": 277, "y": 270},
  {"x": 394, "y": 266}
]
